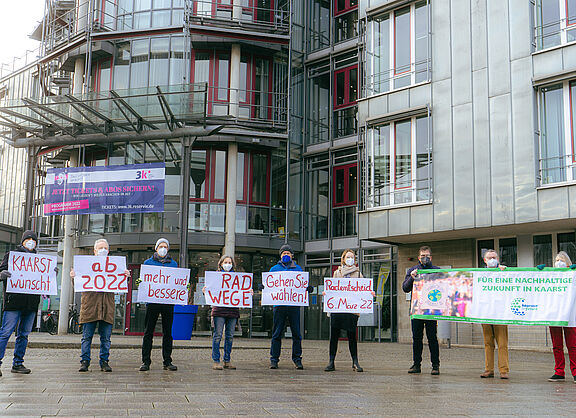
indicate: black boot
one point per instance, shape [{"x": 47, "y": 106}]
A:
[
  {"x": 84, "y": 366},
  {"x": 330, "y": 367},
  {"x": 355, "y": 366}
]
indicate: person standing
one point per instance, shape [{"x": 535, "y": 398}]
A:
[
  {"x": 97, "y": 311},
  {"x": 160, "y": 258},
  {"x": 562, "y": 261},
  {"x": 418, "y": 325},
  {"x": 345, "y": 321},
  {"x": 281, "y": 313},
  {"x": 495, "y": 333},
  {"x": 19, "y": 309}
]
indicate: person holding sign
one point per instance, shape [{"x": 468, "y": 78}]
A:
[
  {"x": 19, "y": 308},
  {"x": 345, "y": 321},
  {"x": 161, "y": 258},
  {"x": 97, "y": 311},
  {"x": 225, "y": 316},
  {"x": 281, "y": 313},
  {"x": 495, "y": 333},
  {"x": 418, "y": 325},
  {"x": 563, "y": 261}
]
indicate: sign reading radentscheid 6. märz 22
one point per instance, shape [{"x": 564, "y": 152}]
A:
[
  {"x": 513, "y": 296},
  {"x": 133, "y": 188}
]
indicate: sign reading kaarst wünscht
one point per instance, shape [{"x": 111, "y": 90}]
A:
[
  {"x": 348, "y": 295},
  {"x": 165, "y": 285},
  {"x": 512, "y": 296},
  {"x": 285, "y": 288},
  {"x": 32, "y": 274}
]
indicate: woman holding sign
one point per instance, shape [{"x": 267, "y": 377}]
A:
[
  {"x": 161, "y": 258},
  {"x": 345, "y": 321}
]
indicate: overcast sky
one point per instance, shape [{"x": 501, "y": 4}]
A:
[{"x": 17, "y": 21}]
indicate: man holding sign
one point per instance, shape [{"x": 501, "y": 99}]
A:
[
  {"x": 98, "y": 278},
  {"x": 26, "y": 276},
  {"x": 287, "y": 301},
  {"x": 165, "y": 298}
]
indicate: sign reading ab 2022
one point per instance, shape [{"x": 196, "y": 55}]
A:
[{"x": 112, "y": 189}]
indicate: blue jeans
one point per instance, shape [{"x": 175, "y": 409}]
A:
[
  {"x": 25, "y": 321},
  {"x": 219, "y": 323},
  {"x": 88, "y": 330},
  {"x": 280, "y": 314}
]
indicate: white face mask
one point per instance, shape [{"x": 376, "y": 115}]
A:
[
  {"x": 162, "y": 251},
  {"x": 560, "y": 264},
  {"x": 492, "y": 263},
  {"x": 102, "y": 252},
  {"x": 227, "y": 266},
  {"x": 349, "y": 261},
  {"x": 30, "y": 244}
]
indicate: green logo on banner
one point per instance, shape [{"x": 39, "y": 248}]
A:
[{"x": 519, "y": 307}]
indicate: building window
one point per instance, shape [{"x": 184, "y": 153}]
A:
[
  {"x": 555, "y": 22},
  {"x": 399, "y": 162},
  {"x": 345, "y": 99},
  {"x": 319, "y": 104},
  {"x": 345, "y": 19},
  {"x": 507, "y": 249},
  {"x": 318, "y": 193},
  {"x": 542, "y": 248},
  {"x": 344, "y": 199},
  {"x": 567, "y": 242},
  {"x": 397, "y": 49},
  {"x": 319, "y": 24},
  {"x": 557, "y": 140}
]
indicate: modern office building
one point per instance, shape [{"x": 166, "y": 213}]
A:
[{"x": 375, "y": 125}]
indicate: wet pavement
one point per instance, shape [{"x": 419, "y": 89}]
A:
[{"x": 55, "y": 387}]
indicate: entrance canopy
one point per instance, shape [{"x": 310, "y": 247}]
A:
[{"x": 115, "y": 115}]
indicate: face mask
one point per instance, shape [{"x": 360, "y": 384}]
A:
[
  {"x": 492, "y": 263},
  {"x": 30, "y": 244},
  {"x": 425, "y": 261},
  {"x": 560, "y": 264},
  {"x": 102, "y": 252},
  {"x": 349, "y": 261},
  {"x": 162, "y": 252},
  {"x": 286, "y": 259},
  {"x": 227, "y": 266}
]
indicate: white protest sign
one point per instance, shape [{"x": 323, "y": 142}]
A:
[
  {"x": 32, "y": 274},
  {"x": 285, "y": 288},
  {"x": 229, "y": 289},
  {"x": 100, "y": 274},
  {"x": 348, "y": 295},
  {"x": 166, "y": 285}
]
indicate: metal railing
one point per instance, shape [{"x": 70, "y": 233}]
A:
[
  {"x": 385, "y": 81},
  {"x": 558, "y": 169},
  {"x": 555, "y": 33}
]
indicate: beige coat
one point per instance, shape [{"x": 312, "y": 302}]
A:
[{"x": 97, "y": 306}]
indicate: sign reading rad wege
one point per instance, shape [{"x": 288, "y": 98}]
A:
[
  {"x": 135, "y": 188},
  {"x": 229, "y": 289},
  {"x": 32, "y": 274},
  {"x": 285, "y": 288},
  {"x": 100, "y": 274},
  {"x": 348, "y": 295},
  {"x": 167, "y": 285}
]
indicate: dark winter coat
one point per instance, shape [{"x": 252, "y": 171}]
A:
[{"x": 19, "y": 301}]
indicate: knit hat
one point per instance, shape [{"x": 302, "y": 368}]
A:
[
  {"x": 160, "y": 241},
  {"x": 286, "y": 247},
  {"x": 29, "y": 234}
]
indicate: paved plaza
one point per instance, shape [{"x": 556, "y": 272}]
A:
[{"x": 56, "y": 388}]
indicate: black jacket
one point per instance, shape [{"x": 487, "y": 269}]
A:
[
  {"x": 409, "y": 280},
  {"x": 18, "y": 301}
]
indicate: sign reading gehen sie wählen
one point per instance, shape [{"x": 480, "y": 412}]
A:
[
  {"x": 285, "y": 288},
  {"x": 513, "y": 296}
]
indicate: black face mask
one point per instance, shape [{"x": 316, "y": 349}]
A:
[{"x": 425, "y": 261}]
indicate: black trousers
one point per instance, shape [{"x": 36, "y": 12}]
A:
[
  {"x": 352, "y": 342},
  {"x": 153, "y": 310},
  {"x": 418, "y": 326}
]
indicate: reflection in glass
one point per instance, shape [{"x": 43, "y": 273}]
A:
[
  {"x": 198, "y": 174},
  {"x": 552, "y": 135}
]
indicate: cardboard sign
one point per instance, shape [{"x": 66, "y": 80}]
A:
[
  {"x": 348, "y": 295},
  {"x": 285, "y": 288},
  {"x": 32, "y": 274},
  {"x": 167, "y": 285},
  {"x": 100, "y": 274},
  {"x": 229, "y": 289}
]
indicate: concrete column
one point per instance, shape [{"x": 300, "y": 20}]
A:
[
  {"x": 82, "y": 7},
  {"x": 234, "y": 79},
  {"x": 185, "y": 199},
  {"x": 230, "y": 240},
  {"x": 66, "y": 291},
  {"x": 237, "y": 10},
  {"x": 79, "y": 66}
]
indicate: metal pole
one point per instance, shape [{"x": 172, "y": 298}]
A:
[
  {"x": 230, "y": 240},
  {"x": 29, "y": 204},
  {"x": 185, "y": 199}
]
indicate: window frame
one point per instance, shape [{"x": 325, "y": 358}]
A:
[
  {"x": 347, "y": 8},
  {"x": 251, "y": 182},
  {"x": 347, "y": 103},
  {"x": 208, "y": 181},
  {"x": 346, "y": 168}
]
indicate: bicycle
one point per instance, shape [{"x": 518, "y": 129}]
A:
[{"x": 50, "y": 320}]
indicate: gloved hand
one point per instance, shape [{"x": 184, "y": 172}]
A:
[
  {"x": 541, "y": 266},
  {"x": 137, "y": 281},
  {"x": 310, "y": 289},
  {"x": 5, "y": 274},
  {"x": 573, "y": 266},
  {"x": 260, "y": 286},
  {"x": 188, "y": 286}
]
